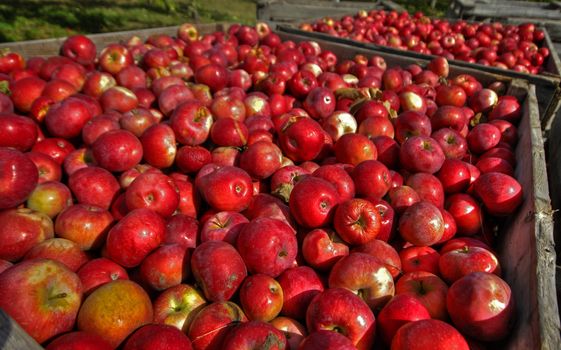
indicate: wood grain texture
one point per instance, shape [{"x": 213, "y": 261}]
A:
[
  {"x": 526, "y": 246},
  {"x": 288, "y": 11}
]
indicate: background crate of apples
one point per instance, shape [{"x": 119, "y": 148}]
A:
[{"x": 523, "y": 243}]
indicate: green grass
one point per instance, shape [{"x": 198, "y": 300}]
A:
[{"x": 38, "y": 19}]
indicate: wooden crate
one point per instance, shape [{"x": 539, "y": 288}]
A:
[
  {"x": 290, "y": 11},
  {"x": 548, "y": 85},
  {"x": 554, "y": 170},
  {"x": 525, "y": 247},
  {"x": 546, "y": 14}
]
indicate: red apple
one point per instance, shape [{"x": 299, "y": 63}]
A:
[
  {"x": 415, "y": 336},
  {"x": 456, "y": 263},
  {"x": 428, "y": 187},
  {"x": 79, "y": 339},
  {"x": 225, "y": 187},
  {"x": 326, "y": 340},
  {"x": 191, "y": 122},
  {"x": 254, "y": 335},
  {"x": 261, "y": 297},
  {"x": 18, "y": 178},
  {"x": 189, "y": 200},
  {"x": 371, "y": 178},
  {"x": 191, "y": 159},
  {"x": 61, "y": 250},
  {"x": 183, "y": 230},
  {"x": 218, "y": 269},
  {"x": 409, "y": 124},
  {"x": 481, "y": 306},
  {"x": 173, "y": 96},
  {"x": 55, "y": 147},
  {"x": 365, "y": 276},
  {"x": 97, "y": 82},
  {"x": 25, "y": 91},
  {"x": 79, "y": 48},
  {"x": 421, "y": 224},
  {"x": 340, "y": 310},
  {"x": 212, "y": 324},
  {"x": 134, "y": 237},
  {"x": 293, "y": 330},
  {"x": 501, "y": 194},
  {"x": 17, "y": 132},
  {"x": 114, "y": 58},
  {"x": 299, "y": 286},
  {"x": 137, "y": 121},
  {"x": 94, "y": 186},
  {"x": 453, "y": 144},
  {"x": 261, "y": 159},
  {"x": 483, "y": 137},
  {"x": 49, "y": 169},
  {"x": 50, "y": 198},
  {"x": 97, "y": 126},
  {"x": 212, "y": 75},
  {"x": 419, "y": 259},
  {"x": 269, "y": 254},
  {"x": 428, "y": 288},
  {"x": 157, "y": 192},
  {"x": 117, "y": 150},
  {"x": 159, "y": 146},
  {"x": 178, "y": 305},
  {"x": 21, "y": 230},
  {"x": 47, "y": 299},
  {"x": 301, "y": 139},
  {"x": 118, "y": 99},
  {"x": 322, "y": 248},
  {"x": 421, "y": 154},
  {"x": 400, "y": 310},
  {"x": 354, "y": 149},
  {"x": 313, "y": 201},
  {"x": 158, "y": 336},
  {"x": 98, "y": 272},
  {"x": 223, "y": 226},
  {"x": 357, "y": 221},
  {"x": 165, "y": 267}
]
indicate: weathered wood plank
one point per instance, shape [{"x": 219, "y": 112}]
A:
[
  {"x": 526, "y": 247},
  {"x": 506, "y": 12},
  {"x": 279, "y": 11}
]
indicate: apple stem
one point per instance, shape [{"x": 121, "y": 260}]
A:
[
  {"x": 421, "y": 289},
  {"x": 59, "y": 296}
]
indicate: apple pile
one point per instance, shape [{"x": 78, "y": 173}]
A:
[
  {"x": 234, "y": 191},
  {"x": 505, "y": 46}
]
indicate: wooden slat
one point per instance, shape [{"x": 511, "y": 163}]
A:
[
  {"x": 526, "y": 246},
  {"x": 282, "y": 11},
  {"x": 506, "y": 12},
  {"x": 554, "y": 171}
]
